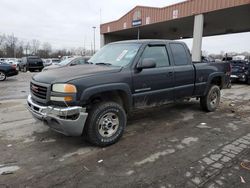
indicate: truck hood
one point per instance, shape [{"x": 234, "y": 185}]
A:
[{"x": 66, "y": 74}]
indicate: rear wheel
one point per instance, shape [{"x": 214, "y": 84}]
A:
[
  {"x": 105, "y": 124},
  {"x": 211, "y": 100},
  {"x": 2, "y": 76}
]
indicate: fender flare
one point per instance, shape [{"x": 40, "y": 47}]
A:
[
  {"x": 87, "y": 93},
  {"x": 211, "y": 77}
]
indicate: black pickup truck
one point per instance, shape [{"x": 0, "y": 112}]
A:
[{"x": 93, "y": 100}]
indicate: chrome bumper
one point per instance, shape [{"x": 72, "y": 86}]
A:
[{"x": 66, "y": 120}]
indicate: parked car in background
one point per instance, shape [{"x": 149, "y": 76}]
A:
[
  {"x": 7, "y": 70},
  {"x": 65, "y": 57},
  {"x": 240, "y": 71},
  {"x": 55, "y": 61},
  {"x": 68, "y": 62},
  {"x": 52, "y": 61},
  {"x": 31, "y": 63},
  {"x": 14, "y": 62}
]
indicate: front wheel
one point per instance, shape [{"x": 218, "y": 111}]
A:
[
  {"x": 2, "y": 76},
  {"x": 105, "y": 124},
  {"x": 211, "y": 100}
]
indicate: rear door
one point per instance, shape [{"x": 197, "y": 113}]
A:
[
  {"x": 154, "y": 85},
  {"x": 184, "y": 77}
]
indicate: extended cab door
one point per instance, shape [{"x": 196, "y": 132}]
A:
[
  {"x": 153, "y": 85},
  {"x": 184, "y": 77}
]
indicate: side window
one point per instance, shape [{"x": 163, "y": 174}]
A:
[
  {"x": 158, "y": 53},
  {"x": 81, "y": 61},
  {"x": 75, "y": 62},
  {"x": 179, "y": 54}
]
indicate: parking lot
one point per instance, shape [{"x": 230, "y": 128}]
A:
[{"x": 172, "y": 146}]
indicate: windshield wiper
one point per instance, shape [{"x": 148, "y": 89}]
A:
[{"x": 103, "y": 64}]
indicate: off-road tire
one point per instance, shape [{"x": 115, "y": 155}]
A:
[
  {"x": 96, "y": 113},
  {"x": 206, "y": 101}
]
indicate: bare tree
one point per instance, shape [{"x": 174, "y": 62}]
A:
[
  {"x": 10, "y": 45},
  {"x": 2, "y": 39},
  {"x": 35, "y": 44},
  {"x": 27, "y": 48},
  {"x": 46, "y": 49},
  {"x": 19, "y": 49}
]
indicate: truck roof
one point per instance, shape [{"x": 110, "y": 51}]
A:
[{"x": 145, "y": 41}]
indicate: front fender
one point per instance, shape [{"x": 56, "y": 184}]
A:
[{"x": 87, "y": 93}]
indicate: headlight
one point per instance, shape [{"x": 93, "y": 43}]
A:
[{"x": 64, "y": 88}]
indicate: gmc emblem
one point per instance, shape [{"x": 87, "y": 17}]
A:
[{"x": 34, "y": 88}]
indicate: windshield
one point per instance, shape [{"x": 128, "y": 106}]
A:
[
  {"x": 116, "y": 54},
  {"x": 65, "y": 61}
]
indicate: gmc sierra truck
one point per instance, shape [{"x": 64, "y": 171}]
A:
[{"x": 93, "y": 100}]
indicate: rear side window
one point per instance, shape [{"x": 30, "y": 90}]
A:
[
  {"x": 158, "y": 53},
  {"x": 179, "y": 54}
]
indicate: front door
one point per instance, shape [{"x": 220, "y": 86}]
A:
[{"x": 154, "y": 85}]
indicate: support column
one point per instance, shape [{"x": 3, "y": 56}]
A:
[
  {"x": 197, "y": 37},
  {"x": 102, "y": 40}
]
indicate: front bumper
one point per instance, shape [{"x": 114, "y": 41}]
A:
[{"x": 66, "y": 120}]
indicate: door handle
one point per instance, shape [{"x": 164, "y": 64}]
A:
[{"x": 170, "y": 74}]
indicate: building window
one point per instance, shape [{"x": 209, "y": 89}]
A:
[
  {"x": 147, "y": 20},
  {"x": 108, "y": 29},
  {"x": 124, "y": 25},
  {"x": 175, "y": 13}
]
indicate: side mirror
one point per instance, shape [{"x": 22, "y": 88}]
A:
[{"x": 147, "y": 63}]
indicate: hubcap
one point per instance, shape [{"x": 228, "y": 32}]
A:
[
  {"x": 2, "y": 76},
  {"x": 108, "y": 124},
  {"x": 214, "y": 99}
]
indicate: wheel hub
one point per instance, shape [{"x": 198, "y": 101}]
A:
[
  {"x": 108, "y": 124},
  {"x": 213, "y": 98},
  {"x": 2, "y": 76}
]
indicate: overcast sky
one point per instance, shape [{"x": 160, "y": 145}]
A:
[{"x": 68, "y": 23}]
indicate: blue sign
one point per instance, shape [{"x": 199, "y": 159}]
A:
[{"x": 136, "y": 22}]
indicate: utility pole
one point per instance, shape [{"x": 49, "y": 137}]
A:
[{"x": 94, "y": 27}]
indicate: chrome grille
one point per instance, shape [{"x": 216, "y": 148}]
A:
[{"x": 38, "y": 90}]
